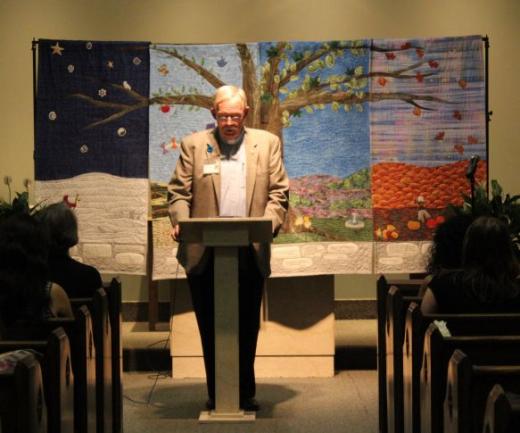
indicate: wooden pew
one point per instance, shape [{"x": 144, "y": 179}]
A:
[
  {"x": 22, "y": 403},
  {"x": 467, "y": 388},
  {"x": 459, "y": 324},
  {"x": 487, "y": 350},
  {"x": 502, "y": 414},
  {"x": 394, "y": 335},
  {"x": 113, "y": 292},
  {"x": 103, "y": 343},
  {"x": 99, "y": 305},
  {"x": 409, "y": 287},
  {"x": 57, "y": 377},
  {"x": 103, "y": 358},
  {"x": 84, "y": 366},
  {"x": 83, "y": 355}
]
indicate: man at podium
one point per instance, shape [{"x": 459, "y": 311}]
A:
[{"x": 229, "y": 171}]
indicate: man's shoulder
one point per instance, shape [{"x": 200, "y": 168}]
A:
[
  {"x": 261, "y": 134},
  {"x": 198, "y": 136}
]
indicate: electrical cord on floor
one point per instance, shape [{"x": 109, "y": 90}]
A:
[{"x": 158, "y": 373}]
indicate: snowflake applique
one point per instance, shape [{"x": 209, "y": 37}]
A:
[
  {"x": 70, "y": 68},
  {"x": 110, "y": 64},
  {"x": 88, "y": 45},
  {"x": 52, "y": 115},
  {"x": 136, "y": 61},
  {"x": 83, "y": 149},
  {"x": 121, "y": 132},
  {"x": 102, "y": 93}
]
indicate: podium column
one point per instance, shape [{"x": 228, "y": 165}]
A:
[
  {"x": 226, "y": 235},
  {"x": 227, "y": 381}
]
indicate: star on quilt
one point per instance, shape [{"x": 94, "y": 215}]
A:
[{"x": 56, "y": 49}]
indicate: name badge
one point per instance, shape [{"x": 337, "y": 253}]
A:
[{"x": 211, "y": 168}]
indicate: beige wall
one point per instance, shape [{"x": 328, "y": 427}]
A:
[{"x": 216, "y": 21}]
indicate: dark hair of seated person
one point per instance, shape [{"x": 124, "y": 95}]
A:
[
  {"x": 61, "y": 225},
  {"x": 23, "y": 270},
  {"x": 76, "y": 278},
  {"x": 489, "y": 261},
  {"x": 487, "y": 281},
  {"x": 446, "y": 249}
]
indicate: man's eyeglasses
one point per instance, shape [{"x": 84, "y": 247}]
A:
[{"x": 233, "y": 117}]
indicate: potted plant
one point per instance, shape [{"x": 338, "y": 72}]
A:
[{"x": 20, "y": 204}]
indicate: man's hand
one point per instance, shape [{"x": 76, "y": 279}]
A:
[{"x": 175, "y": 233}]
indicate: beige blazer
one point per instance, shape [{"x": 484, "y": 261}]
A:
[{"x": 194, "y": 194}]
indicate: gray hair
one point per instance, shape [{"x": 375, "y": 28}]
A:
[
  {"x": 61, "y": 225},
  {"x": 227, "y": 92}
]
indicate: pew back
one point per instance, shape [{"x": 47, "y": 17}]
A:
[
  {"x": 22, "y": 402},
  {"x": 57, "y": 376},
  {"x": 80, "y": 333},
  {"x": 394, "y": 335},
  {"x": 486, "y": 350},
  {"x": 103, "y": 343},
  {"x": 502, "y": 414},
  {"x": 459, "y": 324},
  {"x": 113, "y": 292},
  {"x": 409, "y": 287},
  {"x": 467, "y": 389}
]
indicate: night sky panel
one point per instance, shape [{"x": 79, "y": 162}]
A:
[{"x": 87, "y": 83}]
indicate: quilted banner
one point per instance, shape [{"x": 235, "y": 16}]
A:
[
  {"x": 325, "y": 143},
  {"x": 429, "y": 120},
  {"x": 376, "y": 137},
  {"x": 91, "y": 147},
  {"x": 369, "y": 128}
]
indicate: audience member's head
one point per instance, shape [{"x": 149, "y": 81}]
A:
[
  {"x": 446, "y": 250},
  {"x": 488, "y": 247},
  {"x": 489, "y": 259},
  {"x": 23, "y": 268},
  {"x": 62, "y": 227}
]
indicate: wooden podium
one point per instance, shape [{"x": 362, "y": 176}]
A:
[{"x": 226, "y": 235}]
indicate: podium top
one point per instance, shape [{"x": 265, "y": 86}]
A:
[{"x": 226, "y": 231}]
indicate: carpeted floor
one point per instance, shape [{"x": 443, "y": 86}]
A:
[{"x": 344, "y": 403}]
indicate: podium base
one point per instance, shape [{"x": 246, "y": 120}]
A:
[{"x": 207, "y": 417}]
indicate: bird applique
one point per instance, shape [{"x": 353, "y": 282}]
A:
[
  {"x": 171, "y": 145},
  {"x": 70, "y": 204}
]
